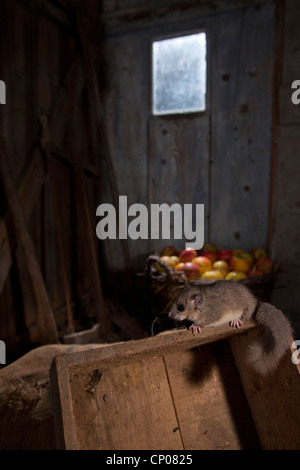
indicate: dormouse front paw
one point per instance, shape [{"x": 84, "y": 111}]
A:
[
  {"x": 236, "y": 323},
  {"x": 196, "y": 329}
]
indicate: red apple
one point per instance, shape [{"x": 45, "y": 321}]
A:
[
  {"x": 255, "y": 272},
  {"x": 240, "y": 264},
  {"x": 225, "y": 255},
  {"x": 191, "y": 270},
  {"x": 203, "y": 263},
  {"x": 210, "y": 254},
  {"x": 265, "y": 264},
  {"x": 187, "y": 255},
  {"x": 258, "y": 253},
  {"x": 169, "y": 250}
]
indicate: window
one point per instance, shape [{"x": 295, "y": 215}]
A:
[{"x": 179, "y": 74}]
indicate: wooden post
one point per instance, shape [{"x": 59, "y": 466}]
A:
[
  {"x": 94, "y": 98},
  {"x": 45, "y": 319}
]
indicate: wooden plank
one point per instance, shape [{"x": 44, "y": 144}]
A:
[
  {"x": 45, "y": 320},
  {"x": 186, "y": 398},
  {"x": 163, "y": 342},
  {"x": 290, "y": 45},
  {"x": 58, "y": 219},
  {"x": 210, "y": 405},
  {"x": 125, "y": 104},
  {"x": 287, "y": 209},
  {"x": 96, "y": 107},
  {"x": 34, "y": 177},
  {"x": 273, "y": 400},
  {"x": 128, "y": 405},
  {"x": 51, "y": 11},
  {"x": 61, "y": 394},
  {"x": 178, "y": 147},
  {"x": 289, "y": 113},
  {"x": 242, "y": 83},
  {"x": 5, "y": 254},
  {"x": 128, "y": 16}
]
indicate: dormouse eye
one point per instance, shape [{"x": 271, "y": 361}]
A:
[{"x": 180, "y": 308}]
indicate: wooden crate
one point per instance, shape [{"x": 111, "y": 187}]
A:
[{"x": 174, "y": 391}]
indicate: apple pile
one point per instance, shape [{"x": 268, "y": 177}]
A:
[{"x": 213, "y": 263}]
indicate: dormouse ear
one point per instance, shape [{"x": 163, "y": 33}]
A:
[{"x": 196, "y": 299}]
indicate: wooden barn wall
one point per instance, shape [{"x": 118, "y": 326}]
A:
[
  {"x": 286, "y": 223},
  {"x": 227, "y": 158},
  {"x": 44, "y": 75},
  {"x": 220, "y": 158}
]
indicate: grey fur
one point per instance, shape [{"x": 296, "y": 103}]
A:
[{"x": 212, "y": 303}]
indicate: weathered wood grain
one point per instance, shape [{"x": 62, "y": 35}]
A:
[
  {"x": 174, "y": 390},
  {"x": 273, "y": 400},
  {"x": 45, "y": 319},
  {"x": 101, "y": 396},
  {"x": 178, "y": 167},
  {"x": 129, "y": 406},
  {"x": 210, "y": 405},
  {"x": 125, "y": 105},
  {"x": 242, "y": 83}
]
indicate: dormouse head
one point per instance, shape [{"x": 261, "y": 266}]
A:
[{"x": 185, "y": 304}]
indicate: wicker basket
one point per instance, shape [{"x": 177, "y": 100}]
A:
[{"x": 166, "y": 285}]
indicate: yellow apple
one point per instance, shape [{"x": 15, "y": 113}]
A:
[
  {"x": 178, "y": 266},
  {"x": 237, "y": 263},
  {"x": 222, "y": 266},
  {"x": 168, "y": 260},
  {"x": 213, "y": 274},
  {"x": 258, "y": 253},
  {"x": 232, "y": 275},
  {"x": 203, "y": 263},
  {"x": 247, "y": 256},
  {"x": 175, "y": 260}
]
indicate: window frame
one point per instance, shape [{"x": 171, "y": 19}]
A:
[{"x": 178, "y": 34}]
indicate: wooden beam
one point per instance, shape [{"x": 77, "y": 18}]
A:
[
  {"x": 97, "y": 108},
  {"x": 30, "y": 188},
  {"x": 51, "y": 11},
  {"x": 45, "y": 319},
  {"x": 69, "y": 158},
  {"x": 151, "y": 14},
  {"x": 168, "y": 341}
]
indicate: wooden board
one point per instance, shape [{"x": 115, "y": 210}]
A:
[
  {"x": 274, "y": 401},
  {"x": 210, "y": 405},
  {"x": 159, "y": 393},
  {"x": 241, "y": 82},
  {"x": 175, "y": 391},
  {"x": 172, "y": 141}
]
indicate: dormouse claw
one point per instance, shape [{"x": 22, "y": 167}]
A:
[
  {"x": 236, "y": 323},
  {"x": 195, "y": 329}
]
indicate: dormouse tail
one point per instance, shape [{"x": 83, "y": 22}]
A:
[{"x": 272, "y": 343}]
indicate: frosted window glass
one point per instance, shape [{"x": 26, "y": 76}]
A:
[{"x": 179, "y": 74}]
